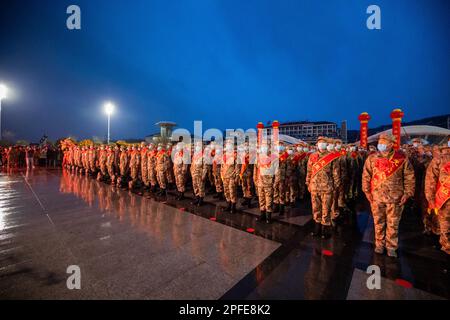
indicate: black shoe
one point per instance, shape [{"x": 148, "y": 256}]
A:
[
  {"x": 326, "y": 232},
  {"x": 220, "y": 197},
  {"x": 262, "y": 216},
  {"x": 228, "y": 208},
  {"x": 233, "y": 208},
  {"x": 200, "y": 201},
  {"x": 292, "y": 204},
  {"x": 181, "y": 197},
  {"x": 269, "y": 217},
  {"x": 249, "y": 204},
  {"x": 276, "y": 209},
  {"x": 317, "y": 230},
  {"x": 244, "y": 202},
  {"x": 196, "y": 200},
  {"x": 281, "y": 209}
]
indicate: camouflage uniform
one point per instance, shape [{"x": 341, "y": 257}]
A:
[
  {"x": 245, "y": 170},
  {"x": 322, "y": 187},
  {"x": 110, "y": 160},
  {"x": 438, "y": 172},
  {"x": 144, "y": 165},
  {"x": 169, "y": 166},
  {"x": 198, "y": 174},
  {"x": 180, "y": 169},
  {"x": 229, "y": 176},
  {"x": 264, "y": 172},
  {"x": 161, "y": 163},
  {"x": 123, "y": 163},
  {"x": 102, "y": 162},
  {"x": 151, "y": 166},
  {"x": 292, "y": 177},
  {"x": 135, "y": 165},
  {"x": 216, "y": 167},
  {"x": 387, "y": 196},
  {"x": 339, "y": 195},
  {"x": 279, "y": 182}
]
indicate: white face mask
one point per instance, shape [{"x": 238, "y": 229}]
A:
[
  {"x": 322, "y": 145},
  {"x": 229, "y": 147},
  {"x": 263, "y": 150},
  {"x": 290, "y": 151},
  {"x": 338, "y": 147},
  {"x": 448, "y": 143},
  {"x": 330, "y": 147},
  {"x": 280, "y": 148},
  {"x": 382, "y": 147},
  {"x": 179, "y": 147},
  {"x": 159, "y": 148},
  {"x": 198, "y": 148},
  {"x": 415, "y": 144},
  {"x": 305, "y": 150},
  {"x": 299, "y": 149}
]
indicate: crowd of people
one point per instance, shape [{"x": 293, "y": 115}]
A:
[
  {"x": 332, "y": 175},
  {"x": 30, "y": 156}
]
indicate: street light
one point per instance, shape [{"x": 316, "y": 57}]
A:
[
  {"x": 109, "y": 109},
  {"x": 3, "y": 94}
]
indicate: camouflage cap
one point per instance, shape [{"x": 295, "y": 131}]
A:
[{"x": 387, "y": 137}]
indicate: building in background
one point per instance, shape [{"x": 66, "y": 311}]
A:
[
  {"x": 309, "y": 131},
  {"x": 166, "y": 128}
]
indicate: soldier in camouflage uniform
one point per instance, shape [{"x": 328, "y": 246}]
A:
[
  {"x": 92, "y": 160},
  {"x": 123, "y": 165},
  {"x": 291, "y": 176},
  {"x": 437, "y": 191},
  {"x": 245, "y": 170},
  {"x": 322, "y": 180},
  {"x": 135, "y": 166},
  {"x": 388, "y": 182},
  {"x": 102, "y": 162},
  {"x": 110, "y": 164},
  {"x": 198, "y": 174},
  {"x": 144, "y": 164},
  {"x": 161, "y": 163},
  {"x": 279, "y": 183},
  {"x": 229, "y": 176},
  {"x": 216, "y": 165},
  {"x": 151, "y": 166},
  {"x": 84, "y": 160},
  {"x": 169, "y": 172},
  {"x": 339, "y": 195},
  {"x": 264, "y": 172},
  {"x": 180, "y": 167},
  {"x": 303, "y": 151}
]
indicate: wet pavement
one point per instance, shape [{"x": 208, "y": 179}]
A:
[{"x": 132, "y": 245}]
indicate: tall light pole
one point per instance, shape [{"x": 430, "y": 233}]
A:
[
  {"x": 109, "y": 109},
  {"x": 3, "y": 93}
]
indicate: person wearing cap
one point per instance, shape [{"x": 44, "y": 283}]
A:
[
  {"x": 151, "y": 166},
  {"x": 102, "y": 153},
  {"x": 322, "y": 180},
  {"x": 264, "y": 172},
  {"x": 92, "y": 159},
  {"x": 161, "y": 168},
  {"x": 229, "y": 174},
  {"x": 110, "y": 160},
  {"x": 339, "y": 204},
  {"x": 169, "y": 167},
  {"x": 123, "y": 165},
  {"x": 437, "y": 192},
  {"x": 388, "y": 182},
  {"x": 198, "y": 173},
  {"x": 85, "y": 161},
  {"x": 291, "y": 176},
  {"x": 135, "y": 165},
  {"x": 144, "y": 164},
  {"x": 279, "y": 182},
  {"x": 245, "y": 172},
  {"x": 180, "y": 167},
  {"x": 216, "y": 153}
]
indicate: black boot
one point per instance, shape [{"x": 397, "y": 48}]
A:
[
  {"x": 244, "y": 202},
  {"x": 262, "y": 216},
  {"x": 195, "y": 201},
  {"x": 269, "y": 217},
  {"x": 249, "y": 204},
  {"x": 326, "y": 232},
  {"x": 220, "y": 197},
  {"x": 281, "y": 210},
  {"x": 200, "y": 201},
  {"x": 276, "y": 208},
  {"x": 228, "y": 208},
  {"x": 181, "y": 196},
  {"x": 292, "y": 204},
  {"x": 317, "y": 230},
  {"x": 233, "y": 208},
  {"x": 217, "y": 195}
]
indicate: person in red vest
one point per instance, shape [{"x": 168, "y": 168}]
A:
[
  {"x": 388, "y": 182},
  {"x": 437, "y": 192},
  {"x": 322, "y": 180}
]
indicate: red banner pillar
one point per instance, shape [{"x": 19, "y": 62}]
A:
[
  {"x": 260, "y": 128},
  {"x": 275, "y": 133},
  {"x": 396, "y": 116},
  {"x": 363, "y": 129}
]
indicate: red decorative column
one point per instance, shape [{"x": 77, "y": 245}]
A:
[
  {"x": 260, "y": 128},
  {"x": 396, "y": 116},
  {"x": 363, "y": 129},
  {"x": 275, "y": 133}
]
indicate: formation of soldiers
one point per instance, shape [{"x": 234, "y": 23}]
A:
[{"x": 333, "y": 175}]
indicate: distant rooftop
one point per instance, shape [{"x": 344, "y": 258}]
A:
[{"x": 165, "y": 123}]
